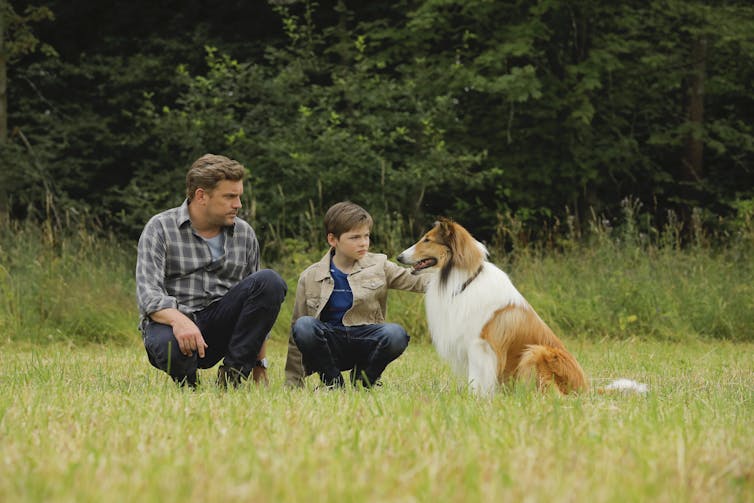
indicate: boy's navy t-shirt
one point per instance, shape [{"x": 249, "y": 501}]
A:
[{"x": 341, "y": 299}]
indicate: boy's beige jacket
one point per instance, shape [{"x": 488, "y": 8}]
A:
[{"x": 370, "y": 280}]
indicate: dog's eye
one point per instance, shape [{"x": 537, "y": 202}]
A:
[{"x": 426, "y": 240}]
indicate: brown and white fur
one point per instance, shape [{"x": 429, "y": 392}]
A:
[{"x": 480, "y": 323}]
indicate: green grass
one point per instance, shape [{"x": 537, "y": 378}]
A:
[
  {"x": 72, "y": 285},
  {"x": 83, "y": 417},
  {"x": 660, "y": 294},
  {"x": 97, "y": 423}
]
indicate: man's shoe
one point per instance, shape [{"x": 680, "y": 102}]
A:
[
  {"x": 189, "y": 381},
  {"x": 229, "y": 376},
  {"x": 259, "y": 375}
]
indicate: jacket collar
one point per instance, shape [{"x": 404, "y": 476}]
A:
[{"x": 323, "y": 266}]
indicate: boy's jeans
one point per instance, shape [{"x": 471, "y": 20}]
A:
[
  {"x": 367, "y": 349},
  {"x": 234, "y": 327}
]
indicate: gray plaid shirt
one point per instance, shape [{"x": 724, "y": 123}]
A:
[{"x": 174, "y": 265}]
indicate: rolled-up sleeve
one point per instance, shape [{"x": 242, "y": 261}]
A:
[
  {"x": 151, "y": 294},
  {"x": 400, "y": 278}
]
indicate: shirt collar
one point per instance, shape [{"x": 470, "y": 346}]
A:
[{"x": 183, "y": 217}]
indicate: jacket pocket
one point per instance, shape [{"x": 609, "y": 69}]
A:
[
  {"x": 312, "y": 305},
  {"x": 374, "y": 284}
]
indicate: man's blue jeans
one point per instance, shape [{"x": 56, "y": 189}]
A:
[
  {"x": 329, "y": 349},
  {"x": 234, "y": 327}
]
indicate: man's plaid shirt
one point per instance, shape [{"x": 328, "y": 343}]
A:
[{"x": 174, "y": 266}]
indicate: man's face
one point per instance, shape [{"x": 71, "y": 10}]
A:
[
  {"x": 353, "y": 244},
  {"x": 221, "y": 205}
]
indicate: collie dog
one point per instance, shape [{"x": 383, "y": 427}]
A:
[{"x": 480, "y": 323}]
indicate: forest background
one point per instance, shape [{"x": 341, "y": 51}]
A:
[
  {"x": 548, "y": 112},
  {"x": 615, "y": 137}
]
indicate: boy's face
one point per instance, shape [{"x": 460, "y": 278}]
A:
[{"x": 353, "y": 244}]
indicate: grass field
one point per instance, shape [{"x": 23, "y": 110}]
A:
[
  {"x": 97, "y": 423},
  {"x": 84, "y": 418}
]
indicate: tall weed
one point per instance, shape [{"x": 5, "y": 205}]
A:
[
  {"x": 624, "y": 278},
  {"x": 72, "y": 285},
  {"x": 632, "y": 280}
]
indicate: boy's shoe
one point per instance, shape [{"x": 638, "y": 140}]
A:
[
  {"x": 355, "y": 375},
  {"x": 367, "y": 385},
  {"x": 359, "y": 376},
  {"x": 229, "y": 376},
  {"x": 335, "y": 382}
]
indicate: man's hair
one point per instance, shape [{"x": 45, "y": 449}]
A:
[
  {"x": 345, "y": 216},
  {"x": 209, "y": 170}
]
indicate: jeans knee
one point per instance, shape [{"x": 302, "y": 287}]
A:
[
  {"x": 396, "y": 338},
  {"x": 165, "y": 354},
  {"x": 304, "y": 331},
  {"x": 272, "y": 284}
]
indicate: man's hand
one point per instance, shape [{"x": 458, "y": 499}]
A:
[
  {"x": 186, "y": 332},
  {"x": 189, "y": 337}
]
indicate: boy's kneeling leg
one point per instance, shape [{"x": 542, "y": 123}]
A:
[
  {"x": 311, "y": 339},
  {"x": 391, "y": 340}
]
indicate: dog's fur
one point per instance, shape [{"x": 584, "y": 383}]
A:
[{"x": 480, "y": 323}]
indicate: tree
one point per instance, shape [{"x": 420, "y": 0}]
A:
[
  {"x": 17, "y": 40},
  {"x": 469, "y": 108}
]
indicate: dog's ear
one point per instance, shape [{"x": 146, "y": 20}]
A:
[{"x": 444, "y": 227}]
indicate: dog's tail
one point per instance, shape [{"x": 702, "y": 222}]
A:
[
  {"x": 624, "y": 386},
  {"x": 549, "y": 367}
]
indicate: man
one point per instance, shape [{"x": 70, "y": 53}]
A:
[{"x": 200, "y": 292}]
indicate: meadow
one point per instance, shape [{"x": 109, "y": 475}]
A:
[
  {"x": 97, "y": 424},
  {"x": 83, "y": 417}
]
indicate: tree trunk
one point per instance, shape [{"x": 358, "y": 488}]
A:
[
  {"x": 693, "y": 162},
  {"x": 3, "y": 77},
  {"x": 692, "y": 166},
  {"x": 3, "y": 100}
]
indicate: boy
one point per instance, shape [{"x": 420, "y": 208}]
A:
[{"x": 339, "y": 315}]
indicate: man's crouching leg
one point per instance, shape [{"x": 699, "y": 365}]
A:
[
  {"x": 165, "y": 354},
  {"x": 254, "y": 304}
]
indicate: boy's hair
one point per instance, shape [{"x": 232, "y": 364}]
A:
[
  {"x": 345, "y": 216},
  {"x": 209, "y": 170}
]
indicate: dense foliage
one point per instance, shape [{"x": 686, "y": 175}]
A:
[{"x": 546, "y": 111}]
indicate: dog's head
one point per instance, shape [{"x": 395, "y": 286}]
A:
[{"x": 445, "y": 246}]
